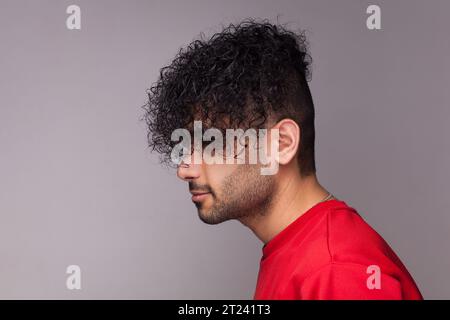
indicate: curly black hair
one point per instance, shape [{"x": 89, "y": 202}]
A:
[{"x": 247, "y": 74}]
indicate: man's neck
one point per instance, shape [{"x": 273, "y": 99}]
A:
[{"x": 294, "y": 197}]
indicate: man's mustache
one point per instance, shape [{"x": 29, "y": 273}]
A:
[{"x": 199, "y": 187}]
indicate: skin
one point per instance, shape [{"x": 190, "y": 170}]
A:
[{"x": 265, "y": 204}]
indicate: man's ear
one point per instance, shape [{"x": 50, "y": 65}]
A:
[{"x": 289, "y": 140}]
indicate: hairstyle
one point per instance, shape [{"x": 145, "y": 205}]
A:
[{"x": 247, "y": 74}]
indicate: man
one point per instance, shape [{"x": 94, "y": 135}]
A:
[{"x": 254, "y": 75}]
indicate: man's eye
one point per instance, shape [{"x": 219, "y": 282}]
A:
[
  {"x": 227, "y": 150},
  {"x": 241, "y": 151}
]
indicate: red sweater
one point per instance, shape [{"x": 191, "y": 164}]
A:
[{"x": 330, "y": 252}]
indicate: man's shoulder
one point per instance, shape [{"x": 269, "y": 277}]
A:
[
  {"x": 339, "y": 234},
  {"x": 348, "y": 233},
  {"x": 345, "y": 245},
  {"x": 351, "y": 240}
]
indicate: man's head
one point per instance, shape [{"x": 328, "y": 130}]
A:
[{"x": 250, "y": 75}]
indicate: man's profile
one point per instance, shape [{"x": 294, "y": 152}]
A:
[{"x": 255, "y": 75}]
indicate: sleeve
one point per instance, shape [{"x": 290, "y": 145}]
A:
[{"x": 337, "y": 281}]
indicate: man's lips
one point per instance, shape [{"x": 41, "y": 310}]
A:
[{"x": 199, "y": 196}]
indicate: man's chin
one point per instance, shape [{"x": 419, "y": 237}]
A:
[{"x": 211, "y": 218}]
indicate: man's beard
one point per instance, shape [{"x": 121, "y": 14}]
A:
[{"x": 244, "y": 193}]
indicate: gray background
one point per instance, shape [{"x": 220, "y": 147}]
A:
[{"x": 79, "y": 186}]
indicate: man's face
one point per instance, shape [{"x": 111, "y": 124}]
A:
[{"x": 228, "y": 191}]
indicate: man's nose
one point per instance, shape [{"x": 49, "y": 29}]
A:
[{"x": 188, "y": 172}]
